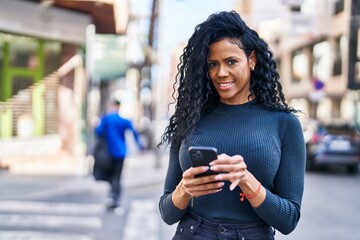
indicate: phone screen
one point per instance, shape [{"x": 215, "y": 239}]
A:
[{"x": 202, "y": 156}]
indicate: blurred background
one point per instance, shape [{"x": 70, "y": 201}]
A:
[{"x": 62, "y": 61}]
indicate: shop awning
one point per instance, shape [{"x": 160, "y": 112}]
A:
[{"x": 109, "y": 16}]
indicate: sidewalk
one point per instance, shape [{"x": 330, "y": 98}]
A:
[
  {"x": 139, "y": 170},
  {"x": 145, "y": 169},
  {"x": 53, "y": 163}
]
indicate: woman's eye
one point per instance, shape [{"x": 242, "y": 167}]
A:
[
  {"x": 231, "y": 62},
  {"x": 211, "y": 64}
]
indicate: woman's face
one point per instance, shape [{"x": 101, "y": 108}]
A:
[{"x": 229, "y": 71}]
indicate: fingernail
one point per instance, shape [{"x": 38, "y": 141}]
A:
[
  {"x": 218, "y": 177},
  {"x": 232, "y": 187}
]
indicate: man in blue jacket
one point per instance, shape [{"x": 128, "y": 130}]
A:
[{"x": 113, "y": 127}]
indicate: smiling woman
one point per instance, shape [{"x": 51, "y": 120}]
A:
[
  {"x": 229, "y": 71},
  {"x": 230, "y": 98}
]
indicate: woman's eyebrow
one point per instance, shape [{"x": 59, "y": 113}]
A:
[
  {"x": 225, "y": 59},
  {"x": 228, "y": 58}
]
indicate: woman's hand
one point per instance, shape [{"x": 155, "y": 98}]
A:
[
  {"x": 232, "y": 168},
  {"x": 198, "y": 186},
  {"x": 191, "y": 186}
]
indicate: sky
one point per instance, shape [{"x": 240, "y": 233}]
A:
[
  {"x": 179, "y": 17},
  {"x": 177, "y": 22}
]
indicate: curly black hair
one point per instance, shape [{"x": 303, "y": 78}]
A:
[{"x": 196, "y": 94}]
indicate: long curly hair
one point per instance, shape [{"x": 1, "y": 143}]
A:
[{"x": 195, "y": 92}]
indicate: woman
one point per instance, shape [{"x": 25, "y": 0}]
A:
[{"x": 230, "y": 98}]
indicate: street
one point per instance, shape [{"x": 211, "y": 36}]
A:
[
  {"x": 63, "y": 64},
  {"x": 330, "y": 208},
  {"x": 76, "y": 212},
  {"x": 59, "y": 208}
]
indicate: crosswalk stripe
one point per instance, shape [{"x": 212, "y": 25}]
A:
[
  {"x": 35, "y": 235},
  {"x": 46, "y": 221},
  {"x": 142, "y": 216},
  {"x": 51, "y": 207}
]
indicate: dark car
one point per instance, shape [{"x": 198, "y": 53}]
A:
[{"x": 334, "y": 145}]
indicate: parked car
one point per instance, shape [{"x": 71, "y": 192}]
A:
[{"x": 334, "y": 145}]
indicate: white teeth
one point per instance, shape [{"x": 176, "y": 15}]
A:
[{"x": 225, "y": 84}]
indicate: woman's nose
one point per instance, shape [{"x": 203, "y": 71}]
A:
[{"x": 222, "y": 71}]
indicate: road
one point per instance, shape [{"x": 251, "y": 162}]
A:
[
  {"x": 73, "y": 208},
  {"x": 330, "y": 208},
  {"x": 59, "y": 208}
]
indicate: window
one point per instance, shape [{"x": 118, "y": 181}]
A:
[
  {"x": 339, "y": 50},
  {"x": 300, "y": 63},
  {"x": 321, "y": 61},
  {"x": 357, "y": 64},
  {"x": 23, "y": 52},
  {"x": 278, "y": 67},
  {"x": 20, "y": 83},
  {"x": 52, "y": 56},
  {"x": 338, "y": 6}
]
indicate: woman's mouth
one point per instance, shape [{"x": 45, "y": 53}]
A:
[{"x": 225, "y": 86}]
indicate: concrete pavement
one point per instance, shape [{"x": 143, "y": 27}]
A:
[
  {"x": 139, "y": 170},
  {"x": 71, "y": 206},
  {"x": 145, "y": 169}
]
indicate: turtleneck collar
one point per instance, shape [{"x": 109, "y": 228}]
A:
[{"x": 226, "y": 108}]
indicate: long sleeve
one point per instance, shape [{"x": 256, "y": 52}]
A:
[
  {"x": 281, "y": 208},
  {"x": 113, "y": 127},
  {"x": 169, "y": 212},
  {"x": 136, "y": 136},
  {"x": 99, "y": 129}
]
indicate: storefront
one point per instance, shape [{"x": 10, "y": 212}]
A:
[
  {"x": 42, "y": 70},
  {"x": 33, "y": 41}
]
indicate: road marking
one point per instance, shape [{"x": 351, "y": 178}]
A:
[
  {"x": 51, "y": 207},
  {"x": 33, "y": 235},
  {"x": 45, "y": 216},
  {"x": 46, "y": 221},
  {"x": 142, "y": 221}
]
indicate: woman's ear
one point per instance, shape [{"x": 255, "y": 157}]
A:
[{"x": 252, "y": 60}]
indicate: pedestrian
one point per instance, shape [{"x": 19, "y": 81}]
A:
[
  {"x": 112, "y": 127},
  {"x": 229, "y": 97}
]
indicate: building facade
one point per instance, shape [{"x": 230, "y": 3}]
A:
[
  {"x": 316, "y": 45},
  {"x": 43, "y": 77}
]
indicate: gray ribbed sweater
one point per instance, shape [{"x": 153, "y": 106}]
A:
[{"x": 273, "y": 148}]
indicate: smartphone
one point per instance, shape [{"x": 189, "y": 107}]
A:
[{"x": 202, "y": 156}]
